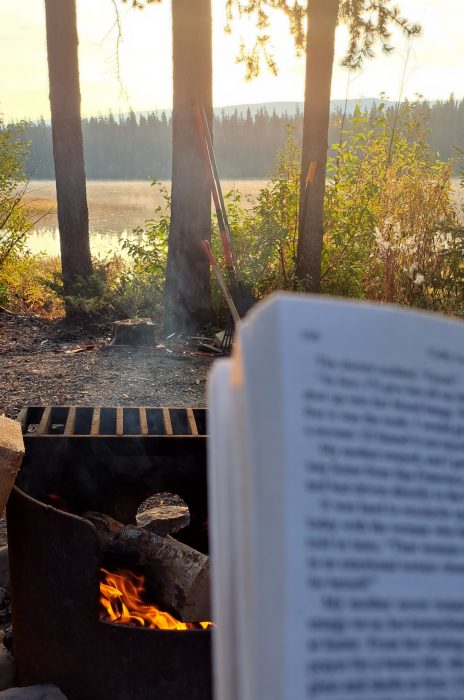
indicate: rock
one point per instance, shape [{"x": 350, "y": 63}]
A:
[
  {"x": 7, "y": 669},
  {"x": 33, "y": 692},
  {"x": 4, "y": 568}
]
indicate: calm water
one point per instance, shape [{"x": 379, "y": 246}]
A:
[{"x": 115, "y": 209}]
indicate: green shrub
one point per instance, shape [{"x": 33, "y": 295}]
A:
[
  {"x": 23, "y": 284},
  {"x": 14, "y": 215},
  {"x": 148, "y": 249},
  {"x": 266, "y": 234},
  {"x": 392, "y": 230},
  {"x": 113, "y": 291}
]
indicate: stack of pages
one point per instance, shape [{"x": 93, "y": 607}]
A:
[{"x": 336, "y": 482}]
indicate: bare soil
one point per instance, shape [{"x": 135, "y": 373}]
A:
[{"x": 44, "y": 363}]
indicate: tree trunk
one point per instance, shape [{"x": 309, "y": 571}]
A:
[
  {"x": 322, "y": 22},
  {"x": 187, "y": 289},
  {"x": 68, "y": 152}
]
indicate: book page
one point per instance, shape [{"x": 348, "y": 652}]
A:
[
  {"x": 374, "y": 513},
  {"x": 223, "y": 549}
]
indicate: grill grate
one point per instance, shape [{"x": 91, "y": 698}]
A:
[{"x": 118, "y": 421}]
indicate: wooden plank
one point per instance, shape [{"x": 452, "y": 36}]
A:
[
  {"x": 143, "y": 420},
  {"x": 119, "y": 420},
  {"x": 167, "y": 422},
  {"x": 192, "y": 422},
  {"x": 70, "y": 421},
  {"x": 45, "y": 421},
  {"x": 95, "y": 427}
]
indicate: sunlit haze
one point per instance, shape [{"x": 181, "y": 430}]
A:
[{"x": 433, "y": 68}]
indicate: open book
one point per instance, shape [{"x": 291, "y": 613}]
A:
[{"x": 336, "y": 477}]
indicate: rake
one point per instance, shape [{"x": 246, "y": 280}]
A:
[{"x": 241, "y": 295}]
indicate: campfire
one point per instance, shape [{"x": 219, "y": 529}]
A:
[
  {"x": 110, "y": 512},
  {"x": 121, "y": 601}
]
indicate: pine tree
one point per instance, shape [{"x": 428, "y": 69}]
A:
[
  {"x": 63, "y": 68},
  {"x": 368, "y": 22},
  {"x": 187, "y": 289}
]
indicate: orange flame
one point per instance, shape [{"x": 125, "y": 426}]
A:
[{"x": 121, "y": 602}]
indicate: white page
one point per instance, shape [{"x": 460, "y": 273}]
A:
[
  {"x": 221, "y": 510},
  {"x": 372, "y": 485},
  {"x": 262, "y": 586},
  {"x": 373, "y": 492}
]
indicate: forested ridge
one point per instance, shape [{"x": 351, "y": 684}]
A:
[{"x": 130, "y": 147}]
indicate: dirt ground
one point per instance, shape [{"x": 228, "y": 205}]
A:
[{"x": 44, "y": 363}]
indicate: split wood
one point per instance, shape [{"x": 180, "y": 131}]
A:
[{"x": 11, "y": 456}]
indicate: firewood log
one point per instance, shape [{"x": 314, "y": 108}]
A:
[
  {"x": 163, "y": 520},
  {"x": 11, "y": 455},
  {"x": 178, "y": 574}
]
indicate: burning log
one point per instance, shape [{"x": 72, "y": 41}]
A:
[
  {"x": 122, "y": 603},
  {"x": 178, "y": 573},
  {"x": 11, "y": 456},
  {"x": 135, "y": 332}
]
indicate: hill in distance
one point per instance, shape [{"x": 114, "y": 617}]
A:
[
  {"x": 280, "y": 108},
  {"x": 290, "y": 108}
]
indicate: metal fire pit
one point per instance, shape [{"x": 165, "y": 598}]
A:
[{"x": 108, "y": 460}]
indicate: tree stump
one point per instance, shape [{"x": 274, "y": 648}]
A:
[{"x": 134, "y": 332}]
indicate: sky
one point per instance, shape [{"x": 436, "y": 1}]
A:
[{"x": 433, "y": 67}]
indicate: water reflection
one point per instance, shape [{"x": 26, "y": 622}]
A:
[{"x": 46, "y": 241}]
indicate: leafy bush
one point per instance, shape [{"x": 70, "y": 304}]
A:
[
  {"x": 266, "y": 234},
  {"x": 392, "y": 230},
  {"x": 113, "y": 291},
  {"x": 392, "y": 227},
  {"x": 23, "y": 284},
  {"x": 14, "y": 216},
  {"x": 149, "y": 247},
  {"x": 117, "y": 288}
]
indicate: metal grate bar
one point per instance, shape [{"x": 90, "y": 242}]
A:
[
  {"x": 192, "y": 422},
  {"x": 70, "y": 421},
  {"x": 95, "y": 427},
  {"x": 143, "y": 420},
  {"x": 98, "y": 421},
  {"x": 167, "y": 422},
  {"x": 45, "y": 421},
  {"x": 119, "y": 421}
]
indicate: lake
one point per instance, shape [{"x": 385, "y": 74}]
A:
[{"x": 115, "y": 209}]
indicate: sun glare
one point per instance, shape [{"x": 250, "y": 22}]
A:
[{"x": 146, "y": 51}]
